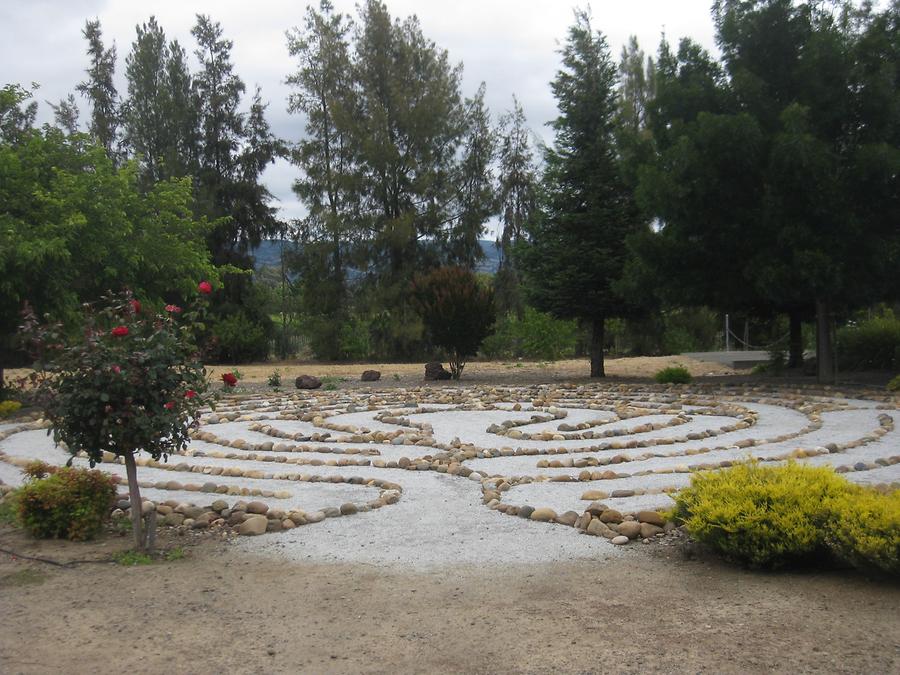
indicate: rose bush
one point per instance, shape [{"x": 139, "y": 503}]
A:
[{"x": 131, "y": 381}]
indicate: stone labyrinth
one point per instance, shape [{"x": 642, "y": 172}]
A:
[{"x": 441, "y": 476}]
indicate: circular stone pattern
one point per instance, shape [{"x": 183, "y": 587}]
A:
[{"x": 454, "y": 463}]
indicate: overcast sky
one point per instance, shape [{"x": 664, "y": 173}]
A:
[{"x": 509, "y": 44}]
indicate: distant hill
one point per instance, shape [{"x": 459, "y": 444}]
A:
[{"x": 268, "y": 254}]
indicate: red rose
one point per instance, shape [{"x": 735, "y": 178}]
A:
[
  {"x": 229, "y": 379},
  {"x": 116, "y": 370},
  {"x": 190, "y": 393},
  {"x": 169, "y": 405},
  {"x": 175, "y": 309},
  {"x": 120, "y": 331},
  {"x": 205, "y": 287},
  {"x": 135, "y": 306}
]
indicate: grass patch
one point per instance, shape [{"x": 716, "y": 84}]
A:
[
  {"x": 174, "y": 554},
  {"x": 130, "y": 558},
  {"x": 24, "y": 577}
]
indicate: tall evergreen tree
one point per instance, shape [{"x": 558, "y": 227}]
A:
[
  {"x": 476, "y": 200},
  {"x": 100, "y": 90},
  {"x": 229, "y": 187},
  {"x": 323, "y": 90},
  {"x": 577, "y": 249}
]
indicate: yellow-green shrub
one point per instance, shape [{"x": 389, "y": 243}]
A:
[
  {"x": 894, "y": 384},
  {"x": 864, "y": 529},
  {"x": 761, "y": 516},
  {"x": 8, "y": 408}
]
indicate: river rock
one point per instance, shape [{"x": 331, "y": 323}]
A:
[
  {"x": 621, "y": 540},
  {"x": 652, "y": 517},
  {"x": 259, "y": 508},
  {"x": 543, "y": 515},
  {"x": 630, "y": 529},
  {"x": 253, "y": 526}
]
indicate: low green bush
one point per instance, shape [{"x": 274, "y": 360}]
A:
[
  {"x": 239, "y": 339},
  {"x": 9, "y": 408},
  {"x": 535, "y": 336},
  {"x": 70, "y": 503},
  {"x": 873, "y": 344},
  {"x": 765, "y": 517},
  {"x": 894, "y": 384},
  {"x": 864, "y": 529},
  {"x": 673, "y": 375}
]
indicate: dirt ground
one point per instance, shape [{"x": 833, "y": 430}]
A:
[
  {"x": 218, "y": 610},
  {"x": 476, "y": 372}
]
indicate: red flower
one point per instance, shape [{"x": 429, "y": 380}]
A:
[
  {"x": 135, "y": 306},
  {"x": 169, "y": 405},
  {"x": 116, "y": 370},
  {"x": 120, "y": 331},
  {"x": 190, "y": 393},
  {"x": 229, "y": 379},
  {"x": 205, "y": 287},
  {"x": 175, "y": 309}
]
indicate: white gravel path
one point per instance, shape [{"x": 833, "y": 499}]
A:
[{"x": 440, "y": 519}]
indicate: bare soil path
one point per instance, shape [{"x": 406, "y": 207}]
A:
[{"x": 223, "y": 611}]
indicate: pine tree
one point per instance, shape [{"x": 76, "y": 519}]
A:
[
  {"x": 65, "y": 114},
  {"x": 100, "y": 90},
  {"x": 231, "y": 155},
  {"x": 577, "y": 249}
]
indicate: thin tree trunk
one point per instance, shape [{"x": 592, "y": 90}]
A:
[
  {"x": 598, "y": 326},
  {"x": 795, "y": 348},
  {"x": 824, "y": 347},
  {"x": 134, "y": 496}
]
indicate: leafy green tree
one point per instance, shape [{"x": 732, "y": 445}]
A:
[
  {"x": 16, "y": 116},
  {"x": 577, "y": 248},
  {"x": 73, "y": 226},
  {"x": 458, "y": 312},
  {"x": 100, "y": 90}
]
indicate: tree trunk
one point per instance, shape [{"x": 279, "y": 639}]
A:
[
  {"x": 134, "y": 496},
  {"x": 795, "y": 342},
  {"x": 598, "y": 326},
  {"x": 824, "y": 347}
]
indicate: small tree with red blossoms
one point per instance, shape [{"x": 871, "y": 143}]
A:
[{"x": 133, "y": 381}]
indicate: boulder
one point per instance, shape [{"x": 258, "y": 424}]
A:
[
  {"x": 307, "y": 382},
  {"x": 370, "y": 376},
  {"x": 434, "y": 370}
]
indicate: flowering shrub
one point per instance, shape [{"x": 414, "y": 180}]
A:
[{"x": 132, "y": 381}]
